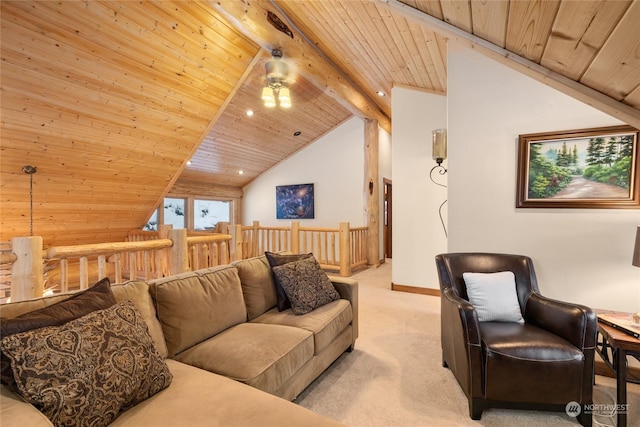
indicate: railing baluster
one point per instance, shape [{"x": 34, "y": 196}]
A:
[
  {"x": 118, "y": 268},
  {"x": 64, "y": 275},
  {"x": 84, "y": 272},
  {"x": 102, "y": 266}
]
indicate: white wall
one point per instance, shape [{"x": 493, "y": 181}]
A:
[
  {"x": 334, "y": 164},
  {"x": 417, "y": 232},
  {"x": 580, "y": 255}
]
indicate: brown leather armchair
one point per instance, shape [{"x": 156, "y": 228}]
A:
[{"x": 542, "y": 364}]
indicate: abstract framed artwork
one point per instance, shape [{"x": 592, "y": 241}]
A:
[
  {"x": 294, "y": 201},
  {"x": 593, "y": 168}
]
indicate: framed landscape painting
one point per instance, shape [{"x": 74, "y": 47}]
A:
[
  {"x": 586, "y": 168},
  {"x": 294, "y": 201}
]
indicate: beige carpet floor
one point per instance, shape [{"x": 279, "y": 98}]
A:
[{"x": 394, "y": 377}]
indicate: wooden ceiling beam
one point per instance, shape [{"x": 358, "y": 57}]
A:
[
  {"x": 536, "y": 71},
  {"x": 250, "y": 18}
]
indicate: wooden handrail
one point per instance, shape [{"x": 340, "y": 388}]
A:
[
  {"x": 208, "y": 239},
  {"x": 61, "y": 252}
]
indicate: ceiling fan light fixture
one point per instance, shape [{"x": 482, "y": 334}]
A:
[
  {"x": 268, "y": 97},
  {"x": 284, "y": 97},
  {"x": 276, "y": 87}
]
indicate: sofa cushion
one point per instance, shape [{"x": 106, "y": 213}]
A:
[
  {"x": 326, "y": 322},
  {"x": 97, "y": 297},
  {"x": 197, "y": 398},
  {"x": 197, "y": 305},
  {"x": 276, "y": 259},
  {"x": 17, "y": 412},
  {"x": 257, "y": 285},
  {"x": 306, "y": 285},
  {"x": 138, "y": 293},
  {"x": 260, "y": 355},
  {"x": 86, "y": 371}
]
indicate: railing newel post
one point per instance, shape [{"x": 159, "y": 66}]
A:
[
  {"x": 295, "y": 237},
  {"x": 27, "y": 272},
  {"x": 178, "y": 252},
  {"x": 345, "y": 249}
]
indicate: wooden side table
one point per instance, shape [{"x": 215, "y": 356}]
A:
[{"x": 613, "y": 346}]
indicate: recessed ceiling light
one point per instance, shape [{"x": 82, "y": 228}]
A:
[
  {"x": 297, "y": 133},
  {"x": 249, "y": 113},
  {"x": 240, "y": 172},
  {"x": 188, "y": 162},
  {"x": 380, "y": 93}
]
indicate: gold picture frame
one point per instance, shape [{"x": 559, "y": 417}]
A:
[{"x": 594, "y": 168}]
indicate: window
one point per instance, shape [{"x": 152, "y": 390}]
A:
[
  {"x": 152, "y": 224},
  {"x": 207, "y": 213},
  {"x": 174, "y": 210},
  {"x": 190, "y": 213}
]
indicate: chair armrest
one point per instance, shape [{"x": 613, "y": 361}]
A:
[
  {"x": 573, "y": 322},
  {"x": 461, "y": 345},
  {"x": 348, "y": 289},
  {"x": 463, "y": 316}
]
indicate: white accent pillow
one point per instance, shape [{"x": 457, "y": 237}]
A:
[{"x": 494, "y": 296}]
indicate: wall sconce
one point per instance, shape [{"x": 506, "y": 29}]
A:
[
  {"x": 439, "y": 146},
  {"x": 276, "y": 88},
  {"x": 439, "y": 154}
]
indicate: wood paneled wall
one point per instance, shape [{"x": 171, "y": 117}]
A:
[{"x": 108, "y": 100}]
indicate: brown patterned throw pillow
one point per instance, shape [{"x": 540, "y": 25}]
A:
[
  {"x": 85, "y": 372},
  {"x": 306, "y": 285},
  {"x": 97, "y": 297},
  {"x": 275, "y": 260}
]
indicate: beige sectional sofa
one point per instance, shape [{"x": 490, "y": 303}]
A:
[{"x": 234, "y": 358}]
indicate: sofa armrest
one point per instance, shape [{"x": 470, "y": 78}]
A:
[
  {"x": 573, "y": 322},
  {"x": 348, "y": 289},
  {"x": 16, "y": 412}
]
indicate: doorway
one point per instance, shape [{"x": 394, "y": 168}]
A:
[{"x": 387, "y": 230}]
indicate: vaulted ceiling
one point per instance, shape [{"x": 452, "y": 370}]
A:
[{"x": 111, "y": 99}]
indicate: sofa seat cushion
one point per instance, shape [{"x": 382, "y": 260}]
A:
[
  {"x": 326, "y": 322},
  {"x": 529, "y": 355},
  {"x": 17, "y": 412},
  {"x": 197, "y": 398},
  {"x": 260, "y": 355}
]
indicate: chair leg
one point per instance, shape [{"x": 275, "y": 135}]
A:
[
  {"x": 476, "y": 407},
  {"x": 585, "y": 420}
]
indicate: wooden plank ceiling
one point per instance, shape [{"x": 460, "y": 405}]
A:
[{"x": 111, "y": 99}]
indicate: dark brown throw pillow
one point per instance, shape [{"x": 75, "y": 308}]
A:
[
  {"x": 85, "y": 372},
  {"x": 97, "y": 297},
  {"x": 281, "y": 259},
  {"x": 306, "y": 285}
]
